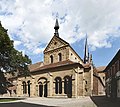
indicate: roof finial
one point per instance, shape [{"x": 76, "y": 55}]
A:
[
  {"x": 56, "y": 28},
  {"x": 86, "y": 54}
]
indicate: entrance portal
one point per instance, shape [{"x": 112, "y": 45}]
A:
[
  {"x": 68, "y": 86},
  {"x": 40, "y": 90},
  {"x": 42, "y": 87}
]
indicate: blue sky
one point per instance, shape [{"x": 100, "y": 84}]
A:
[{"x": 30, "y": 24}]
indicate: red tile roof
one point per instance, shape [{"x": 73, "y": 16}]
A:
[
  {"x": 35, "y": 66},
  {"x": 54, "y": 65}
]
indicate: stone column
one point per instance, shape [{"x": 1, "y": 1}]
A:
[
  {"x": 91, "y": 79},
  {"x": 36, "y": 89},
  {"x": 51, "y": 86},
  {"x": 19, "y": 88},
  {"x": 32, "y": 87},
  {"x": 63, "y": 88},
  {"x": 83, "y": 84}
]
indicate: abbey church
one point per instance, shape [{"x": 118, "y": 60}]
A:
[{"x": 62, "y": 73}]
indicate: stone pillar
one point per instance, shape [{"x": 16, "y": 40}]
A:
[
  {"x": 91, "y": 79},
  {"x": 19, "y": 88},
  {"x": 51, "y": 86},
  {"x": 63, "y": 88},
  {"x": 37, "y": 89},
  {"x": 32, "y": 87},
  {"x": 83, "y": 84}
]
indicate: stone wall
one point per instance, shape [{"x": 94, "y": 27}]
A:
[
  {"x": 76, "y": 76},
  {"x": 64, "y": 52}
]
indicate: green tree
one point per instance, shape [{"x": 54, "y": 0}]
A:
[{"x": 11, "y": 60}]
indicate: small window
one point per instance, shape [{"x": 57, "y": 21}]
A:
[
  {"x": 86, "y": 82},
  {"x": 55, "y": 43},
  {"x": 60, "y": 57},
  {"x": 51, "y": 59},
  {"x": 86, "y": 89},
  {"x": 75, "y": 58},
  {"x": 71, "y": 54}
]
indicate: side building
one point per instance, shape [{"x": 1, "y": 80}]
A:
[{"x": 113, "y": 77}]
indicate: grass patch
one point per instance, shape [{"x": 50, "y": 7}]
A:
[{"x": 8, "y": 99}]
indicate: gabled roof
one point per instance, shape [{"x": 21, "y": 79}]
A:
[
  {"x": 56, "y": 37},
  {"x": 63, "y": 41}
]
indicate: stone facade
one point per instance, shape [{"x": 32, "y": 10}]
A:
[{"x": 62, "y": 74}]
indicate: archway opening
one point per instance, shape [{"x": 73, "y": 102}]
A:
[
  {"x": 58, "y": 85},
  {"x": 68, "y": 86},
  {"x": 24, "y": 87},
  {"x": 28, "y": 88},
  {"x": 42, "y": 87}
]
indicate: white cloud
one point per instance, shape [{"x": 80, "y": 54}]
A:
[
  {"x": 38, "y": 50},
  {"x": 31, "y": 22},
  {"x": 17, "y": 43}
]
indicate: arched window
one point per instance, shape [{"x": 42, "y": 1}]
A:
[
  {"x": 28, "y": 88},
  {"x": 24, "y": 87},
  {"x": 51, "y": 59},
  {"x": 58, "y": 85},
  {"x": 68, "y": 85},
  {"x": 43, "y": 87},
  {"x": 60, "y": 57}
]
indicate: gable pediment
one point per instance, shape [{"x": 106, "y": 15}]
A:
[{"x": 56, "y": 42}]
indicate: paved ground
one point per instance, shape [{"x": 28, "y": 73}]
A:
[
  {"x": 96, "y": 101},
  {"x": 20, "y": 104},
  {"x": 102, "y": 101},
  {"x": 63, "y": 102}
]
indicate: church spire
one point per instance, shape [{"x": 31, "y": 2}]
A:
[
  {"x": 86, "y": 54},
  {"x": 56, "y": 28}
]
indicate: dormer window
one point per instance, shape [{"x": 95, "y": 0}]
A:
[
  {"x": 51, "y": 59},
  {"x": 59, "y": 57}
]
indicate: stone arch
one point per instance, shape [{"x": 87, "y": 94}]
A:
[
  {"x": 43, "y": 87},
  {"x": 68, "y": 86},
  {"x": 58, "y": 85}
]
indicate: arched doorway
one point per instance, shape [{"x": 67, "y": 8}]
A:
[
  {"x": 68, "y": 86},
  {"x": 24, "y": 87},
  {"x": 28, "y": 88},
  {"x": 42, "y": 87},
  {"x": 58, "y": 85}
]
